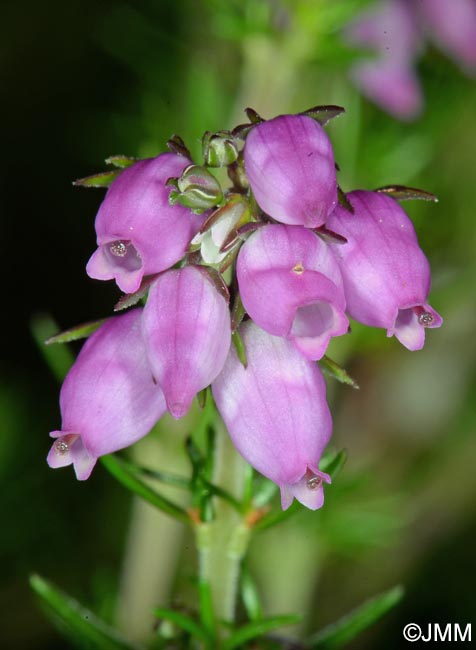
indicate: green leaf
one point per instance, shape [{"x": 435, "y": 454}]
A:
[
  {"x": 253, "y": 116},
  {"x": 333, "y": 463},
  {"x": 403, "y": 193},
  {"x": 237, "y": 314},
  {"x": 250, "y": 596},
  {"x": 120, "y": 161},
  {"x": 60, "y": 358},
  {"x": 323, "y": 114},
  {"x": 240, "y": 347},
  {"x": 184, "y": 622},
  {"x": 163, "y": 477},
  {"x": 347, "y": 628},
  {"x": 131, "y": 299},
  {"x": 331, "y": 368},
  {"x": 344, "y": 201},
  {"x": 177, "y": 145},
  {"x": 258, "y": 628},
  {"x": 102, "y": 179},
  {"x": 274, "y": 518},
  {"x": 83, "y": 627},
  {"x": 77, "y": 332},
  {"x": 127, "y": 475}
]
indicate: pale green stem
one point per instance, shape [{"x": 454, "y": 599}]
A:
[
  {"x": 154, "y": 540},
  {"x": 222, "y": 543}
]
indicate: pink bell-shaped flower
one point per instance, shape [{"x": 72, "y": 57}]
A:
[
  {"x": 109, "y": 399},
  {"x": 276, "y": 412},
  {"x": 187, "y": 331},
  {"x": 290, "y": 166},
  {"x": 138, "y": 232},
  {"x": 290, "y": 284},
  {"x": 386, "y": 274}
]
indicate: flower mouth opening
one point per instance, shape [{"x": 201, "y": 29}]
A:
[
  {"x": 62, "y": 446},
  {"x": 425, "y": 318},
  {"x": 313, "y": 320},
  {"x": 122, "y": 254}
]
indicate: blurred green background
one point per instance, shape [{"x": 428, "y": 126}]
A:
[{"x": 84, "y": 80}]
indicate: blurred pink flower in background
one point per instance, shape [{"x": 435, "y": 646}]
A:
[{"x": 396, "y": 31}]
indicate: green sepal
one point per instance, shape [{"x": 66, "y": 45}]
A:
[
  {"x": 128, "y": 476},
  {"x": 202, "y": 397},
  {"x": 239, "y": 347},
  {"x": 340, "y": 633},
  {"x": 323, "y": 114},
  {"x": 130, "y": 299},
  {"x": 102, "y": 179},
  {"x": 77, "y": 332},
  {"x": 177, "y": 145},
  {"x": 403, "y": 193},
  {"x": 78, "y": 623},
  {"x": 184, "y": 622},
  {"x": 332, "y": 368},
  {"x": 344, "y": 201},
  {"x": 238, "y": 313},
  {"x": 259, "y": 628},
  {"x": 120, "y": 161}
]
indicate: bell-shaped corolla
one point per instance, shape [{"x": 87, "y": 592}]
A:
[
  {"x": 109, "y": 399},
  {"x": 290, "y": 167},
  {"x": 452, "y": 26},
  {"x": 290, "y": 284},
  {"x": 386, "y": 274},
  {"x": 138, "y": 232},
  {"x": 276, "y": 413},
  {"x": 187, "y": 331}
]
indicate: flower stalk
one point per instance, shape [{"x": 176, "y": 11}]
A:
[{"x": 222, "y": 543}]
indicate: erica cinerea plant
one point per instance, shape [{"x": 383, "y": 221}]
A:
[{"x": 234, "y": 290}]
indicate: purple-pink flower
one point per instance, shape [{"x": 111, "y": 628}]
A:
[
  {"x": 187, "y": 332},
  {"x": 295, "y": 264},
  {"x": 290, "y": 166},
  {"x": 291, "y": 286},
  {"x": 138, "y": 232},
  {"x": 109, "y": 399},
  {"x": 395, "y": 31},
  {"x": 386, "y": 274},
  {"x": 276, "y": 413}
]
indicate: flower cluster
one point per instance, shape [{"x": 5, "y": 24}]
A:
[
  {"x": 293, "y": 256},
  {"x": 396, "y": 31}
]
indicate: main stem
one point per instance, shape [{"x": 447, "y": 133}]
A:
[{"x": 222, "y": 542}]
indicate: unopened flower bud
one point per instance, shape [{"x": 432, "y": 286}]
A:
[
  {"x": 196, "y": 189},
  {"x": 219, "y": 226},
  {"x": 219, "y": 149}
]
